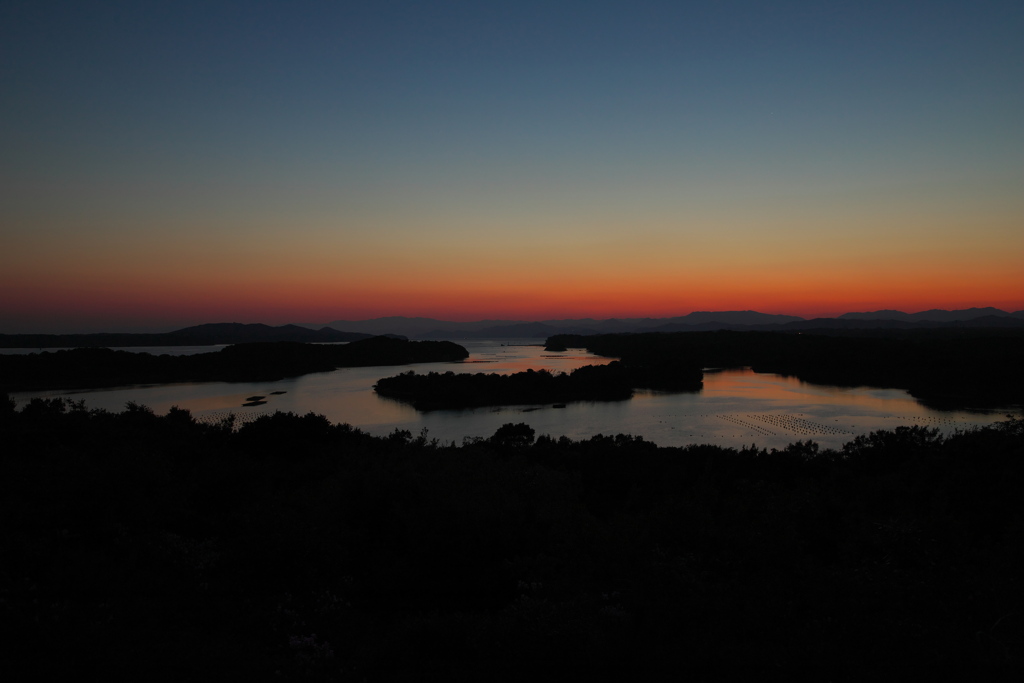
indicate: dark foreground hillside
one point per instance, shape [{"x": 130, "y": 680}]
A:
[{"x": 145, "y": 547}]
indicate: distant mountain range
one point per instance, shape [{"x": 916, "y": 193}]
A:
[
  {"x": 239, "y": 333},
  {"x": 934, "y": 315},
  {"x": 429, "y": 328}
]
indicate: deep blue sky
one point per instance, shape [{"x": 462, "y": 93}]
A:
[{"x": 387, "y": 157}]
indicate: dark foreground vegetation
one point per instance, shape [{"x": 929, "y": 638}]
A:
[
  {"x": 436, "y": 390},
  {"x": 256, "y": 362},
  {"x": 943, "y": 368},
  {"x": 145, "y": 547}
]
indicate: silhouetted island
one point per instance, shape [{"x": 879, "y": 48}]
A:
[
  {"x": 269, "y": 361},
  {"x": 435, "y": 390},
  {"x": 614, "y": 381}
]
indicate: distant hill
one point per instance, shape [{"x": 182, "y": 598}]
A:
[
  {"x": 835, "y": 324},
  {"x": 934, "y": 315},
  {"x": 413, "y": 327},
  {"x": 732, "y": 318},
  {"x": 241, "y": 333},
  {"x": 724, "y": 320},
  {"x": 431, "y": 328}
]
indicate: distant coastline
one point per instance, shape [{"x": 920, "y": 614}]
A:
[
  {"x": 698, "y": 321},
  {"x": 432, "y": 329},
  {"x": 200, "y": 335}
]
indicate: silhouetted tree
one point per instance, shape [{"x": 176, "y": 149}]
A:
[{"x": 516, "y": 435}]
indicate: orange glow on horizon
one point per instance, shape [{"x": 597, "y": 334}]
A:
[
  {"x": 255, "y": 282},
  {"x": 278, "y": 303}
]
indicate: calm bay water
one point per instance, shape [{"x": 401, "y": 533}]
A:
[{"x": 735, "y": 408}]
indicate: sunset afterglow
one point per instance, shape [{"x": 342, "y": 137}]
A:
[{"x": 173, "y": 164}]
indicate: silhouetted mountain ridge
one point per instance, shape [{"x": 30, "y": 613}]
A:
[
  {"x": 242, "y": 333},
  {"x": 933, "y": 315},
  {"x": 429, "y": 328}
]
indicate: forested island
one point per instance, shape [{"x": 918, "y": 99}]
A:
[
  {"x": 148, "y": 547},
  {"x": 266, "y": 361},
  {"x": 612, "y": 382},
  {"x": 944, "y": 368},
  {"x": 436, "y": 390}
]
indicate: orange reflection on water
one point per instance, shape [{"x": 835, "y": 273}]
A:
[
  {"x": 512, "y": 358},
  {"x": 775, "y": 410},
  {"x": 773, "y": 387}
]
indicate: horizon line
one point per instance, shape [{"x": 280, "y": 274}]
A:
[{"x": 157, "y": 328}]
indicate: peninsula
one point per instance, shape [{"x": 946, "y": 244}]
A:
[
  {"x": 945, "y": 368},
  {"x": 256, "y": 362}
]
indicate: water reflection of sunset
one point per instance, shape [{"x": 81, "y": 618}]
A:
[
  {"x": 736, "y": 407},
  {"x": 782, "y": 387},
  {"x": 769, "y": 410}
]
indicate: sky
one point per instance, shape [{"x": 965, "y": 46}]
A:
[{"x": 164, "y": 164}]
